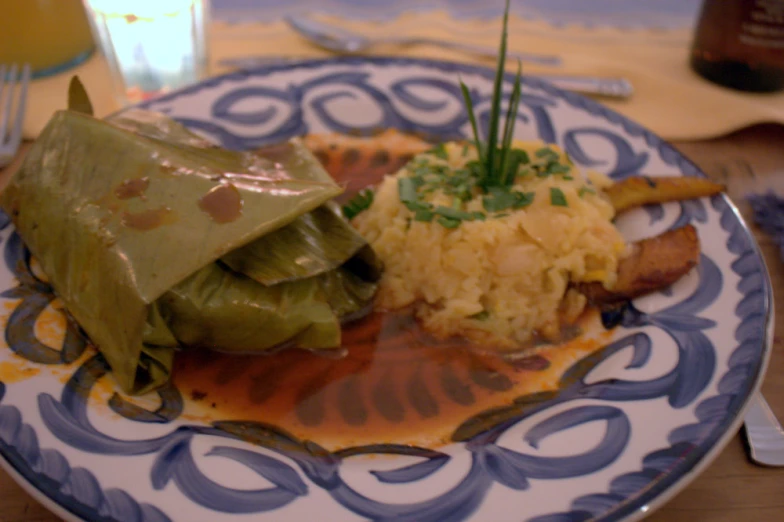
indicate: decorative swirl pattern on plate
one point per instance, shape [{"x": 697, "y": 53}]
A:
[
  {"x": 74, "y": 488},
  {"x": 67, "y": 419},
  {"x": 292, "y": 467}
]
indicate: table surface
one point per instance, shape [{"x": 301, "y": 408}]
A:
[
  {"x": 731, "y": 488},
  {"x": 618, "y": 13}
]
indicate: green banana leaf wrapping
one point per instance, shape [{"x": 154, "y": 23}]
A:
[{"x": 157, "y": 240}]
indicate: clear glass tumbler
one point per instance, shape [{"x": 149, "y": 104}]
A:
[{"x": 151, "y": 46}]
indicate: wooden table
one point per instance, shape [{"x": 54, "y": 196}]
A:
[{"x": 731, "y": 489}]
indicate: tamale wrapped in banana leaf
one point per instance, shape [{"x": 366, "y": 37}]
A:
[{"x": 156, "y": 240}]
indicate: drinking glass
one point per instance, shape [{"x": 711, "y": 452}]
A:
[
  {"x": 151, "y": 46},
  {"x": 50, "y": 36}
]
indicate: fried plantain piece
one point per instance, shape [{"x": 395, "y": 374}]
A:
[
  {"x": 636, "y": 191},
  {"x": 654, "y": 264}
]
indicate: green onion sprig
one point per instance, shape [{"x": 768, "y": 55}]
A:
[
  {"x": 497, "y": 167},
  {"x": 498, "y": 164}
]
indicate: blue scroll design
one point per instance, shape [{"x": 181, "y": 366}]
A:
[
  {"x": 36, "y": 296},
  {"x": 692, "y": 372},
  {"x": 175, "y": 462},
  {"x": 689, "y": 444},
  {"x": 75, "y": 488},
  {"x": 262, "y": 113},
  {"x": 67, "y": 418},
  {"x": 293, "y": 467}
]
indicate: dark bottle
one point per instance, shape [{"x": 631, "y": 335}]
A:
[{"x": 740, "y": 44}]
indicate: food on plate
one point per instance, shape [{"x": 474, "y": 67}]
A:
[
  {"x": 652, "y": 264},
  {"x": 506, "y": 242},
  {"x": 636, "y": 191},
  {"x": 360, "y": 161},
  {"x": 507, "y": 266},
  {"x": 157, "y": 240},
  {"x": 495, "y": 265}
]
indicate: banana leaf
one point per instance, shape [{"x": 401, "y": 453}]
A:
[
  {"x": 318, "y": 242},
  {"x": 157, "y": 240}
]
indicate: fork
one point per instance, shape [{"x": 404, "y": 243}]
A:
[
  {"x": 11, "y": 136},
  {"x": 765, "y": 435}
]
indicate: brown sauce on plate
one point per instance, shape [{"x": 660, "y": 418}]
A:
[{"x": 396, "y": 383}]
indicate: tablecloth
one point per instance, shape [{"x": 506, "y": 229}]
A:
[
  {"x": 670, "y": 99},
  {"x": 668, "y": 14}
]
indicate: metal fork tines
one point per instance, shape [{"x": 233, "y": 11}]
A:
[{"x": 13, "y": 96}]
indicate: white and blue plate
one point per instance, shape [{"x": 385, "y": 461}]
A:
[{"x": 632, "y": 425}]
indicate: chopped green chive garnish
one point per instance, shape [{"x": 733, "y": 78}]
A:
[
  {"x": 454, "y": 213},
  {"x": 523, "y": 199},
  {"x": 498, "y": 200},
  {"x": 439, "y": 151},
  {"x": 546, "y": 152},
  {"x": 557, "y": 168},
  {"x": 418, "y": 181},
  {"x": 413, "y": 206},
  {"x": 496, "y": 169},
  {"x": 358, "y": 203},
  {"x": 423, "y": 214},
  {"x": 448, "y": 222},
  {"x": 557, "y": 197},
  {"x": 585, "y": 190},
  {"x": 421, "y": 170},
  {"x": 407, "y": 190}
]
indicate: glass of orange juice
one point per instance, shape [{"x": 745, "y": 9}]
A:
[{"x": 50, "y": 35}]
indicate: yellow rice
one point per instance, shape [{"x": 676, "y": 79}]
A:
[{"x": 503, "y": 281}]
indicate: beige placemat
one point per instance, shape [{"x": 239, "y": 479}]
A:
[{"x": 669, "y": 98}]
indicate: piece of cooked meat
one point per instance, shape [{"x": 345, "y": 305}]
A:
[{"x": 654, "y": 264}]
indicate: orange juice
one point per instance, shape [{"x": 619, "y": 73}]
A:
[{"x": 47, "y": 34}]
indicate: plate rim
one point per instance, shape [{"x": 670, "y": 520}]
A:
[{"x": 676, "y": 479}]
